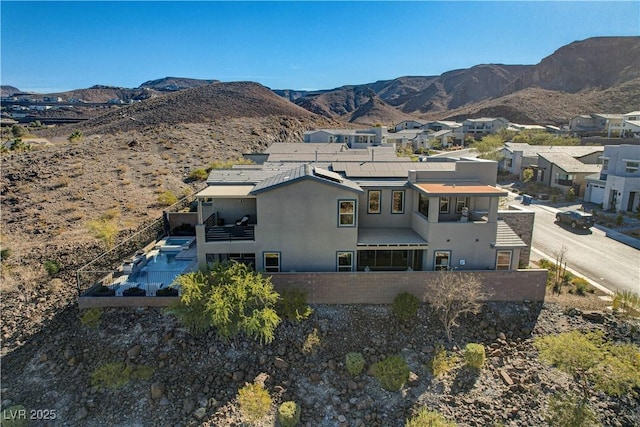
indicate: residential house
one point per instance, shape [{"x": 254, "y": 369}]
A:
[
  {"x": 564, "y": 171},
  {"x": 617, "y": 186},
  {"x": 408, "y": 124},
  {"x": 414, "y": 138},
  {"x": 631, "y": 125},
  {"x": 596, "y": 124},
  {"x": 349, "y": 215},
  {"x": 483, "y": 126},
  {"x": 353, "y": 138}
]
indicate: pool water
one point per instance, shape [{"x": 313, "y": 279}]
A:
[
  {"x": 161, "y": 268},
  {"x": 176, "y": 242}
]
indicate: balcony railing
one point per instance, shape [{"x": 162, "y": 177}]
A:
[{"x": 225, "y": 233}]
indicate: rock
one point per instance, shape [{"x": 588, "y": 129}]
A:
[
  {"x": 506, "y": 378},
  {"x": 200, "y": 413},
  {"x": 164, "y": 401},
  {"x": 280, "y": 363},
  {"x": 413, "y": 378},
  {"x": 593, "y": 316},
  {"x": 134, "y": 351},
  {"x": 342, "y": 419},
  {"x": 237, "y": 376},
  {"x": 81, "y": 414},
  {"x": 157, "y": 390},
  {"x": 188, "y": 405}
]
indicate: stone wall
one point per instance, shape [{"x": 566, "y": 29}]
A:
[
  {"x": 521, "y": 222},
  {"x": 382, "y": 287}
]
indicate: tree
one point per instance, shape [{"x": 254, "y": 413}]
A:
[
  {"x": 527, "y": 175},
  {"x": 593, "y": 362},
  {"x": 452, "y": 294},
  {"x": 489, "y": 147},
  {"x": 230, "y": 297},
  {"x": 560, "y": 270}
]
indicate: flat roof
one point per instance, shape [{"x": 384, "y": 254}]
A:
[
  {"x": 225, "y": 191},
  {"x": 458, "y": 189},
  {"x": 391, "y": 238}
]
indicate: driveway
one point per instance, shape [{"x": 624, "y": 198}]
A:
[{"x": 601, "y": 260}]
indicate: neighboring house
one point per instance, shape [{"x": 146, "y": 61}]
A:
[
  {"x": 593, "y": 124},
  {"x": 408, "y": 124},
  {"x": 359, "y": 216},
  {"x": 353, "y": 138},
  {"x": 563, "y": 171},
  {"x": 442, "y": 125},
  {"x": 416, "y": 138},
  {"x": 520, "y": 156},
  {"x": 483, "y": 126},
  {"x": 631, "y": 125},
  {"x": 618, "y": 185}
]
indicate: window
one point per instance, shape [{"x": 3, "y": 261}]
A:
[
  {"x": 271, "y": 262},
  {"x": 444, "y": 205},
  {"x": 441, "y": 260},
  {"x": 397, "y": 202},
  {"x": 509, "y": 163},
  {"x": 389, "y": 260},
  {"x": 632, "y": 167},
  {"x": 423, "y": 205},
  {"x": 605, "y": 164},
  {"x": 345, "y": 261},
  {"x": 374, "y": 202},
  {"x": 503, "y": 260},
  {"x": 461, "y": 202},
  {"x": 346, "y": 213}
]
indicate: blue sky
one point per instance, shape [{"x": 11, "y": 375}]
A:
[{"x": 57, "y": 46}]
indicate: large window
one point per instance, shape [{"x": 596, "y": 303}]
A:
[
  {"x": 461, "y": 202},
  {"x": 389, "y": 260},
  {"x": 503, "y": 260},
  {"x": 632, "y": 167},
  {"x": 346, "y": 213},
  {"x": 423, "y": 205},
  {"x": 374, "y": 202},
  {"x": 444, "y": 204},
  {"x": 345, "y": 261},
  {"x": 397, "y": 201},
  {"x": 271, "y": 262},
  {"x": 441, "y": 260}
]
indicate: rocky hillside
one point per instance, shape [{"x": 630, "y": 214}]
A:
[{"x": 172, "y": 84}]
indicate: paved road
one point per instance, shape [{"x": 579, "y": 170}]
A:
[{"x": 591, "y": 254}]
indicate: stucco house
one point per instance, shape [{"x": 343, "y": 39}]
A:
[
  {"x": 346, "y": 216},
  {"x": 483, "y": 126},
  {"x": 353, "y": 138},
  {"x": 563, "y": 171},
  {"x": 617, "y": 186}
]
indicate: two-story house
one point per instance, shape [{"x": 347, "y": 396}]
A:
[
  {"x": 618, "y": 185},
  {"x": 357, "y": 216},
  {"x": 353, "y": 138},
  {"x": 483, "y": 126}
]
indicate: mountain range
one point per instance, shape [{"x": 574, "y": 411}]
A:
[{"x": 600, "y": 74}]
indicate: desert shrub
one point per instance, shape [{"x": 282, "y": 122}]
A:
[
  {"x": 106, "y": 231},
  {"x": 289, "y": 414},
  {"x": 75, "y": 136},
  {"x": 292, "y": 304},
  {"x": 580, "y": 286},
  {"x": 5, "y": 253},
  {"x": 392, "y": 372},
  {"x": 626, "y": 303},
  {"x": 230, "y": 297},
  {"x": 570, "y": 411},
  {"x": 405, "y": 307},
  {"x": 167, "y": 198},
  {"x": 19, "y": 131},
  {"x": 14, "y": 416},
  {"x": 254, "y": 402},
  {"x": 355, "y": 363},
  {"x": 198, "y": 175},
  {"x": 474, "y": 355},
  {"x": 427, "y": 418},
  {"x": 91, "y": 317},
  {"x": 311, "y": 343},
  {"x": 441, "y": 362},
  {"x": 52, "y": 266},
  {"x": 117, "y": 374}
]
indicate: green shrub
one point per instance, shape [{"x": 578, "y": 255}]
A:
[
  {"x": 474, "y": 355},
  {"x": 106, "y": 231},
  {"x": 355, "y": 363},
  {"x": 405, "y": 307},
  {"x": 14, "y": 416},
  {"x": 91, "y": 317},
  {"x": 167, "y": 198},
  {"x": 117, "y": 374},
  {"x": 198, "y": 175},
  {"x": 75, "y": 136},
  {"x": 392, "y": 372},
  {"x": 254, "y": 402},
  {"x": 311, "y": 344},
  {"x": 52, "y": 266},
  {"x": 289, "y": 414},
  {"x": 580, "y": 286},
  {"x": 292, "y": 304},
  {"x": 441, "y": 362},
  {"x": 5, "y": 253},
  {"x": 427, "y": 418},
  {"x": 570, "y": 411}
]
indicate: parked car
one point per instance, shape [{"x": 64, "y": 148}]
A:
[{"x": 575, "y": 219}]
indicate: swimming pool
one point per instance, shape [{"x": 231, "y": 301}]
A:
[{"x": 175, "y": 243}]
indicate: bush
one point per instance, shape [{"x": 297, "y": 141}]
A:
[
  {"x": 75, "y": 136},
  {"x": 570, "y": 411},
  {"x": 254, "y": 402},
  {"x": 427, "y": 418},
  {"x": 106, "y": 231},
  {"x": 626, "y": 303},
  {"x": 405, "y": 307},
  {"x": 117, "y": 374},
  {"x": 474, "y": 355},
  {"x": 441, "y": 362},
  {"x": 167, "y": 198},
  {"x": 580, "y": 286},
  {"x": 198, "y": 175},
  {"x": 52, "y": 267},
  {"x": 91, "y": 317},
  {"x": 292, "y": 304},
  {"x": 312, "y": 343},
  {"x": 289, "y": 414},
  {"x": 5, "y": 253},
  {"x": 355, "y": 363},
  {"x": 392, "y": 372}
]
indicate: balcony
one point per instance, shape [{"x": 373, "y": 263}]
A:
[{"x": 228, "y": 233}]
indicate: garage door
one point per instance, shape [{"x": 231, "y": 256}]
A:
[{"x": 597, "y": 194}]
